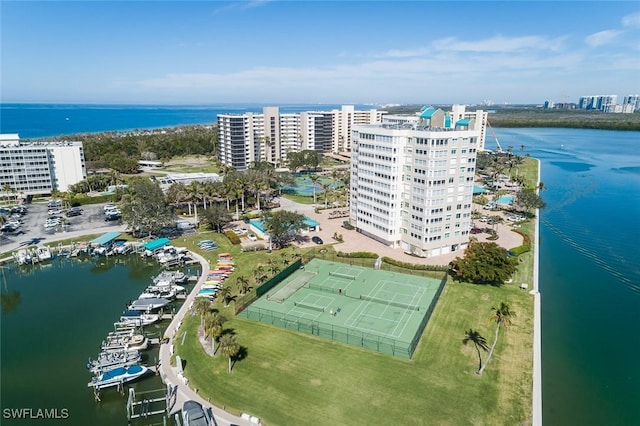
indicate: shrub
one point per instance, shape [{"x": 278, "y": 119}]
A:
[
  {"x": 358, "y": 255},
  {"x": 233, "y": 238},
  {"x": 414, "y": 266},
  {"x": 526, "y": 244}
]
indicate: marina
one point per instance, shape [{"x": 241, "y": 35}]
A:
[{"x": 75, "y": 346}]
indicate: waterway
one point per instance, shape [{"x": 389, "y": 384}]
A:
[
  {"x": 589, "y": 272},
  {"x": 54, "y": 317}
]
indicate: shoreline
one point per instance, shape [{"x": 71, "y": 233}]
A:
[{"x": 537, "y": 321}]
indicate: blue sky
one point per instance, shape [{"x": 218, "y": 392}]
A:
[{"x": 208, "y": 52}]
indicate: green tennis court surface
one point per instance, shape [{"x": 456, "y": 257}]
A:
[{"x": 379, "y": 310}]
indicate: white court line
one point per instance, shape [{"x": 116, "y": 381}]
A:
[{"x": 305, "y": 314}]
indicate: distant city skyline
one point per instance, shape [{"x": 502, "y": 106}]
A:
[{"x": 333, "y": 52}]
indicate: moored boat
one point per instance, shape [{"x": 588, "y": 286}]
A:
[
  {"x": 137, "y": 318},
  {"x": 111, "y": 360},
  {"x": 150, "y": 304},
  {"x": 118, "y": 376}
]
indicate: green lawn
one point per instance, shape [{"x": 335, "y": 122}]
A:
[{"x": 289, "y": 378}]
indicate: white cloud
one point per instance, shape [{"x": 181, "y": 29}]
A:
[
  {"x": 241, "y": 5},
  {"x": 500, "y": 44},
  {"x": 632, "y": 20},
  {"x": 602, "y": 37}
]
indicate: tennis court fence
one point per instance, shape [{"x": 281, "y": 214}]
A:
[{"x": 385, "y": 345}]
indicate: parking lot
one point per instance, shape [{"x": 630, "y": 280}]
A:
[{"x": 32, "y": 230}]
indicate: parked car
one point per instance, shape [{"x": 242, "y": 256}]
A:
[
  {"x": 476, "y": 231},
  {"x": 112, "y": 216},
  {"x": 252, "y": 237},
  {"x": 74, "y": 211},
  {"x": 317, "y": 239}
]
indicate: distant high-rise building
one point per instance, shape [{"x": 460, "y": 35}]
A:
[
  {"x": 633, "y": 100},
  {"x": 597, "y": 102},
  {"x": 247, "y": 138}
]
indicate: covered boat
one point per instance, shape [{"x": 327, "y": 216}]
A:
[
  {"x": 149, "y": 304},
  {"x": 118, "y": 376}
]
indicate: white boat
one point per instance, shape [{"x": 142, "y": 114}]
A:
[
  {"x": 118, "y": 376},
  {"x": 149, "y": 304},
  {"x": 152, "y": 293},
  {"x": 122, "y": 247},
  {"x": 133, "y": 342},
  {"x": 44, "y": 253},
  {"x": 111, "y": 360},
  {"x": 23, "y": 257},
  {"x": 193, "y": 414},
  {"x": 137, "y": 318}
]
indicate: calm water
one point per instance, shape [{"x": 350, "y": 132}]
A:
[
  {"x": 589, "y": 273},
  {"x": 60, "y": 315},
  {"x": 46, "y": 120}
]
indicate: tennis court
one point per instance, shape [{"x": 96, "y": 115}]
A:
[{"x": 380, "y": 310}]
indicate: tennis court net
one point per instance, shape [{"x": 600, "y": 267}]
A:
[
  {"x": 390, "y": 302},
  {"x": 345, "y": 276},
  {"x": 291, "y": 287},
  {"x": 321, "y": 288},
  {"x": 309, "y": 306}
]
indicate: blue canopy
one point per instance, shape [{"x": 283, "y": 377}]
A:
[
  {"x": 106, "y": 238},
  {"x": 156, "y": 244}
]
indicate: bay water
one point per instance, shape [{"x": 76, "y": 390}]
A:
[{"x": 589, "y": 272}]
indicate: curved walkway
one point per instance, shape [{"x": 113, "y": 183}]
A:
[{"x": 168, "y": 373}]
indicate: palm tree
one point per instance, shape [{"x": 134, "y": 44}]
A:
[
  {"x": 314, "y": 180},
  {"x": 201, "y": 306},
  {"x": 225, "y": 293},
  {"x": 243, "y": 284},
  {"x": 478, "y": 341},
  {"x": 214, "y": 327},
  {"x": 501, "y": 315},
  {"x": 229, "y": 347}
]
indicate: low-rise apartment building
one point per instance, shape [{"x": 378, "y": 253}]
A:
[{"x": 34, "y": 168}]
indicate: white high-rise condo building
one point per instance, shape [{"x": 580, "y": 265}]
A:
[
  {"x": 412, "y": 179},
  {"x": 248, "y": 138},
  {"x": 33, "y": 168}
]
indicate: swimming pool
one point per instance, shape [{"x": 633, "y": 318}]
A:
[
  {"x": 258, "y": 224},
  {"x": 505, "y": 199}
]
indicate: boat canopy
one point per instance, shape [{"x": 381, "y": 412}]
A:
[
  {"x": 156, "y": 244},
  {"x": 105, "y": 238}
]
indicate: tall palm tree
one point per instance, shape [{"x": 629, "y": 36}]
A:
[
  {"x": 501, "y": 315},
  {"x": 214, "y": 327},
  {"x": 229, "y": 347},
  {"x": 243, "y": 284},
  {"x": 202, "y": 306},
  {"x": 314, "y": 180},
  {"x": 225, "y": 294},
  {"x": 478, "y": 341}
]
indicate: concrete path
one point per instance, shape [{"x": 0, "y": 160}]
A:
[{"x": 169, "y": 374}]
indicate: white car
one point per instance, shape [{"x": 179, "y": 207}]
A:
[{"x": 252, "y": 237}]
